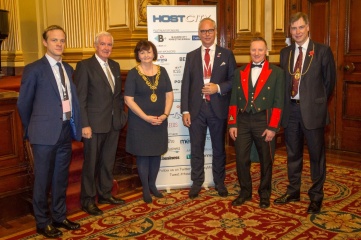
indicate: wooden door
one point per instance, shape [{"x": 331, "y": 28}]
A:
[
  {"x": 336, "y": 23},
  {"x": 348, "y": 108}
]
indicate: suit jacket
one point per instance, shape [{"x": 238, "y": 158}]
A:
[
  {"x": 316, "y": 85},
  {"x": 192, "y": 82},
  {"x": 40, "y": 105},
  {"x": 268, "y": 94},
  {"x": 99, "y": 107}
]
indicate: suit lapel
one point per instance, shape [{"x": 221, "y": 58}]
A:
[
  {"x": 217, "y": 60},
  {"x": 308, "y": 57},
  {"x": 50, "y": 73},
  {"x": 99, "y": 70},
  {"x": 244, "y": 80},
  {"x": 262, "y": 79}
]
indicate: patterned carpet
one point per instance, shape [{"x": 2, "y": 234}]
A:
[{"x": 212, "y": 217}]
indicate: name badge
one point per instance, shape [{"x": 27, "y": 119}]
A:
[{"x": 66, "y": 106}]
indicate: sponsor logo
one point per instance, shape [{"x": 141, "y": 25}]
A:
[
  {"x": 189, "y": 156},
  {"x": 177, "y": 81},
  {"x": 160, "y": 38},
  {"x": 182, "y": 59},
  {"x": 162, "y": 59},
  {"x": 179, "y": 38},
  {"x": 170, "y": 158},
  {"x": 170, "y": 140},
  {"x": 174, "y": 149},
  {"x": 178, "y": 18},
  {"x": 177, "y": 69},
  {"x": 195, "y": 38},
  {"x": 185, "y": 141},
  {"x": 172, "y": 124}
]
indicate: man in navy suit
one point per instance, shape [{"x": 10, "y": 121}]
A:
[
  {"x": 307, "y": 91},
  {"x": 206, "y": 85},
  {"x": 50, "y": 114},
  {"x": 102, "y": 113}
]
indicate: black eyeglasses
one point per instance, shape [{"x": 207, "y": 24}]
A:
[{"x": 209, "y": 31}]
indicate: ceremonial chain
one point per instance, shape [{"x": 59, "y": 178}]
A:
[
  {"x": 289, "y": 63},
  {"x": 152, "y": 85}
]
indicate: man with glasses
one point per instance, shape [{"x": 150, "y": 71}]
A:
[{"x": 206, "y": 85}]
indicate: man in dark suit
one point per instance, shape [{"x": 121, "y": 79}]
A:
[
  {"x": 310, "y": 80},
  {"x": 49, "y": 111},
  {"x": 102, "y": 110},
  {"x": 206, "y": 85},
  {"x": 254, "y": 116}
]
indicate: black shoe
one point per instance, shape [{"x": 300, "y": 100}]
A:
[
  {"x": 193, "y": 192},
  {"x": 111, "y": 200},
  {"x": 49, "y": 231},
  {"x": 67, "y": 224},
  {"x": 240, "y": 200},
  {"x": 92, "y": 209},
  {"x": 156, "y": 193},
  {"x": 222, "y": 190},
  {"x": 264, "y": 203},
  {"x": 314, "y": 207},
  {"x": 286, "y": 198}
]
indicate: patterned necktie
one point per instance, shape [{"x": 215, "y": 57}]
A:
[
  {"x": 109, "y": 77},
  {"x": 297, "y": 73},
  {"x": 207, "y": 70},
  {"x": 65, "y": 89}
]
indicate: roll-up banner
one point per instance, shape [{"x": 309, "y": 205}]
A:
[{"x": 174, "y": 31}]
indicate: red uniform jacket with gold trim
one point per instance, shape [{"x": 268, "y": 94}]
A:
[{"x": 268, "y": 95}]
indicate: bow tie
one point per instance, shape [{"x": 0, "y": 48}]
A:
[{"x": 257, "y": 65}]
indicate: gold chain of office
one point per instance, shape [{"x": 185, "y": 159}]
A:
[
  {"x": 152, "y": 85},
  {"x": 297, "y": 73}
]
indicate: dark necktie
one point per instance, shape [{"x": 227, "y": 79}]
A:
[
  {"x": 297, "y": 73},
  {"x": 65, "y": 90},
  {"x": 207, "y": 69}
]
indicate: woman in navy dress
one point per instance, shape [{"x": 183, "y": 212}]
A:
[{"x": 149, "y": 96}]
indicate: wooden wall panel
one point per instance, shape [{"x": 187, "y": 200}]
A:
[{"x": 13, "y": 167}]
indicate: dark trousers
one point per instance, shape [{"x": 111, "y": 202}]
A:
[
  {"x": 250, "y": 128},
  {"x": 294, "y": 137},
  {"x": 197, "y": 132},
  {"x": 51, "y": 170},
  {"x": 97, "y": 173}
]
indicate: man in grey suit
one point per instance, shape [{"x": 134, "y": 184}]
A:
[
  {"x": 102, "y": 110},
  {"x": 49, "y": 111},
  {"x": 310, "y": 80},
  {"x": 206, "y": 85}
]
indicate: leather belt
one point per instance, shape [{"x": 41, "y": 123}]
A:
[{"x": 297, "y": 101}]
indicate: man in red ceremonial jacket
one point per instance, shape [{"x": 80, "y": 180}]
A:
[{"x": 254, "y": 116}]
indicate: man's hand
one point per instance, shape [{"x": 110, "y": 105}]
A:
[
  {"x": 233, "y": 133},
  {"x": 86, "y": 132},
  {"x": 269, "y": 135},
  {"x": 186, "y": 119}
]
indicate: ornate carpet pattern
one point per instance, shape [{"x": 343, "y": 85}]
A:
[{"x": 212, "y": 217}]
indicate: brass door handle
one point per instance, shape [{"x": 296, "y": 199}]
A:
[{"x": 349, "y": 67}]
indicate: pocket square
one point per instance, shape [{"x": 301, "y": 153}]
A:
[{"x": 223, "y": 63}]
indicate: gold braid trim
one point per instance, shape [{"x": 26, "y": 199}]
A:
[
  {"x": 289, "y": 62},
  {"x": 152, "y": 86}
]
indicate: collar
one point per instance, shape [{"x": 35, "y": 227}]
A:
[
  {"x": 51, "y": 60},
  {"x": 304, "y": 46},
  {"x": 101, "y": 62},
  {"x": 212, "y": 48}
]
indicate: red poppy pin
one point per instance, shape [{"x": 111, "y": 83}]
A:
[{"x": 310, "y": 54}]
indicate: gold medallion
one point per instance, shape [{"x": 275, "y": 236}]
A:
[
  {"x": 153, "y": 97},
  {"x": 297, "y": 75}
]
